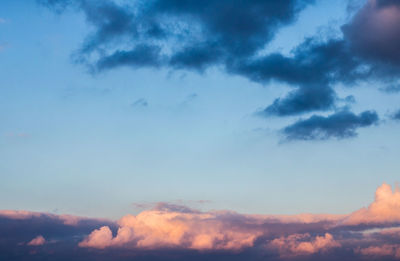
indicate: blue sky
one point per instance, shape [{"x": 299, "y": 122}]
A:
[{"x": 94, "y": 144}]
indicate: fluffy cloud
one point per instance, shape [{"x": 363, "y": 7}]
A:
[
  {"x": 384, "y": 210},
  {"x": 303, "y": 244},
  {"x": 170, "y": 228}
]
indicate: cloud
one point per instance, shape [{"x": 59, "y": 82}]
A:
[
  {"x": 340, "y": 125},
  {"x": 99, "y": 238},
  {"x": 190, "y": 35},
  {"x": 381, "y": 251},
  {"x": 180, "y": 34},
  {"x": 313, "y": 67},
  {"x": 140, "y": 103},
  {"x": 392, "y": 88},
  {"x": 37, "y": 241},
  {"x": 19, "y": 214},
  {"x": 374, "y": 32},
  {"x": 303, "y": 244},
  {"x": 174, "y": 232},
  {"x": 176, "y": 227},
  {"x": 193, "y": 35},
  {"x": 27, "y": 215},
  {"x": 305, "y": 99},
  {"x": 385, "y": 208},
  {"x": 396, "y": 115}
]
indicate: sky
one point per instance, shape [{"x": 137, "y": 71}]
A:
[{"x": 187, "y": 108}]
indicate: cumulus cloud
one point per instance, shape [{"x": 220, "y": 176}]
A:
[
  {"x": 303, "y": 244},
  {"x": 37, "y": 241},
  {"x": 340, "y": 125},
  {"x": 176, "y": 228},
  {"x": 385, "y": 208}
]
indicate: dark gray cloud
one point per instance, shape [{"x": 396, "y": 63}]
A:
[
  {"x": 196, "y": 35},
  {"x": 313, "y": 67},
  {"x": 139, "y": 57},
  {"x": 340, "y": 125},
  {"x": 304, "y": 99},
  {"x": 191, "y": 34}
]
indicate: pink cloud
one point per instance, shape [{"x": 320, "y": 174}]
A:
[
  {"x": 392, "y": 231},
  {"x": 99, "y": 238},
  {"x": 305, "y": 218},
  {"x": 385, "y": 208},
  {"x": 381, "y": 251},
  {"x": 303, "y": 244},
  {"x": 164, "y": 228},
  {"x": 23, "y": 215},
  {"x": 37, "y": 241},
  {"x": 19, "y": 214}
]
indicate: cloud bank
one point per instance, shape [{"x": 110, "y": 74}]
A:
[{"x": 173, "y": 232}]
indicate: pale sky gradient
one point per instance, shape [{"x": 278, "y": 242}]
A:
[{"x": 92, "y": 145}]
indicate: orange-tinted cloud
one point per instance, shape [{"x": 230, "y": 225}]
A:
[
  {"x": 172, "y": 229},
  {"x": 37, "y": 241},
  {"x": 303, "y": 244},
  {"x": 24, "y": 215},
  {"x": 385, "y": 208}
]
